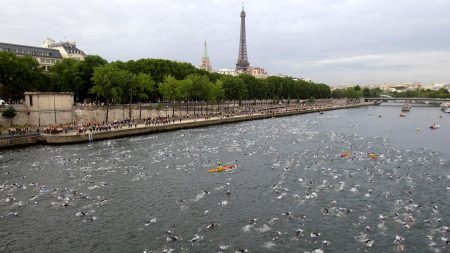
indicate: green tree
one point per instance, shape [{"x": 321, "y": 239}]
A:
[
  {"x": 254, "y": 87},
  {"x": 303, "y": 90},
  {"x": 9, "y": 113},
  {"x": 234, "y": 89},
  {"x": 169, "y": 90},
  {"x": 366, "y": 92},
  {"x": 200, "y": 88},
  {"x": 217, "y": 93},
  {"x": 338, "y": 93},
  {"x": 275, "y": 87},
  {"x": 85, "y": 71},
  {"x": 107, "y": 80},
  {"x": 128, "y": 89},
  {"x": 144, "y": 89},
  {"x": 17, "y": 75},
  {"x": 66, "y": 75},
  {"x": 184, "y": 92}
]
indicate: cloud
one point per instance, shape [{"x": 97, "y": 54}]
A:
[
  {"x": 332, "y": 41},
  {"x": 395, "y": 67}
]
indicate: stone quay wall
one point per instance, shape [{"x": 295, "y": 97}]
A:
[
  {"x": 21, "y": 140},
  {"x": 97, "y": 136}
]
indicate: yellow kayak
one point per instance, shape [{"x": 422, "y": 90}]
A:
[{"x": 222, "y": 168}]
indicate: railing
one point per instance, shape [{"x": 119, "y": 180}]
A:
[
  {"x": 384, "y": 99},
  {"x": 404, "y": 100}
]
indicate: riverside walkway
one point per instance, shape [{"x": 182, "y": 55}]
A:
[
  {"x": 177, "y": 124},
  {"x": 140, "y": 129}
]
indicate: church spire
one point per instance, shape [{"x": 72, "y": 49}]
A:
[
  {"x": 205, "y": 51},
  {"x": 206, "y": 65}
]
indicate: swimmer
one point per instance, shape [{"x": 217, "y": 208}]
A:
[
  {"x": 172, "y": 238},
  {"x": 315, "y": 234},
  {"x": 211, "y": 226},
  {"x": 369, "y": 243}
]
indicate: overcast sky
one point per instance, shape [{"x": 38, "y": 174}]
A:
[{"x": 331, "y": 41}]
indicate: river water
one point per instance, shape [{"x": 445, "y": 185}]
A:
[{"x": 290, "y": 192}]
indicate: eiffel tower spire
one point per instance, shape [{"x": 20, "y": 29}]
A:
[{"x": 242, "y": 63}]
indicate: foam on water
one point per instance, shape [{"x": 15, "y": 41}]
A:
[{"x": 292, "y": 190}]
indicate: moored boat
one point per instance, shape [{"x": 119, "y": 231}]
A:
[
  {"x": 406, "y": 108},
  {"x": 445, "y": 107},
  {"x": 435, "y": 126}
]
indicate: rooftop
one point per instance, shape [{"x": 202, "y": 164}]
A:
[{"x": 28, "y": 50}]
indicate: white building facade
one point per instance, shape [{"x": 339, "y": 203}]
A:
[{"x": 67, "y": 49}]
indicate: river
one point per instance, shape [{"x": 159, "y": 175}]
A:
[{"x": 303, "y": 183}]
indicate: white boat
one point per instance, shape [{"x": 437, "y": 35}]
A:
[
  {"x": 406, "y": 108},
  {"x": 445, "y": 107},
  {"x": 435, "y": 126}
]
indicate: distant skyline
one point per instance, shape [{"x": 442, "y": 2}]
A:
[{"x": 332, "y": 41}]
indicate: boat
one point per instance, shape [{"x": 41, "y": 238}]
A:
[
  {"x": 435, "y": 126},
  {"x": 445, "y": 107},
  {"x": 345, "y": 154},
  {"x": 222, "y": 168},
  {"x": 402, "y": 114},
  {"x": 406, "y": 108},
  {"x": 373, "y": 156}
]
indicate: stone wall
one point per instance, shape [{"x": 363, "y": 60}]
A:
[
  {"x": 49, "y": 108},
  {"x": 17, "y": 141},
  {"x": 98, "y": 113},
  {"x": 21, "y": 119}
]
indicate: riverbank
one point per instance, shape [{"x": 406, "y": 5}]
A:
[{"x": 142, "y": 129}]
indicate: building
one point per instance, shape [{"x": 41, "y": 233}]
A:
[
  {"x": 67, "y": 49},
  {"x": 206, "y": 64},
  {"x": 231, "y": 72},
  {"x": 49, "y": 108},
  {"x": 257, "y": 72},
  {"x": 46, "y": 57},
  {"x": 447, "y": 86}
]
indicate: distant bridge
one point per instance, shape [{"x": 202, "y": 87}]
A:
[{"x": 408, "y": 100}]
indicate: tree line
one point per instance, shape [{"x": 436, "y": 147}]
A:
[
  {"x": 357, "y": 92},
  {"x": 422, "y": 93},
  {"x": 144, "y": 80}
]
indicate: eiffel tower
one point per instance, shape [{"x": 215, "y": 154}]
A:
[{"x": 242, "y": 63}]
